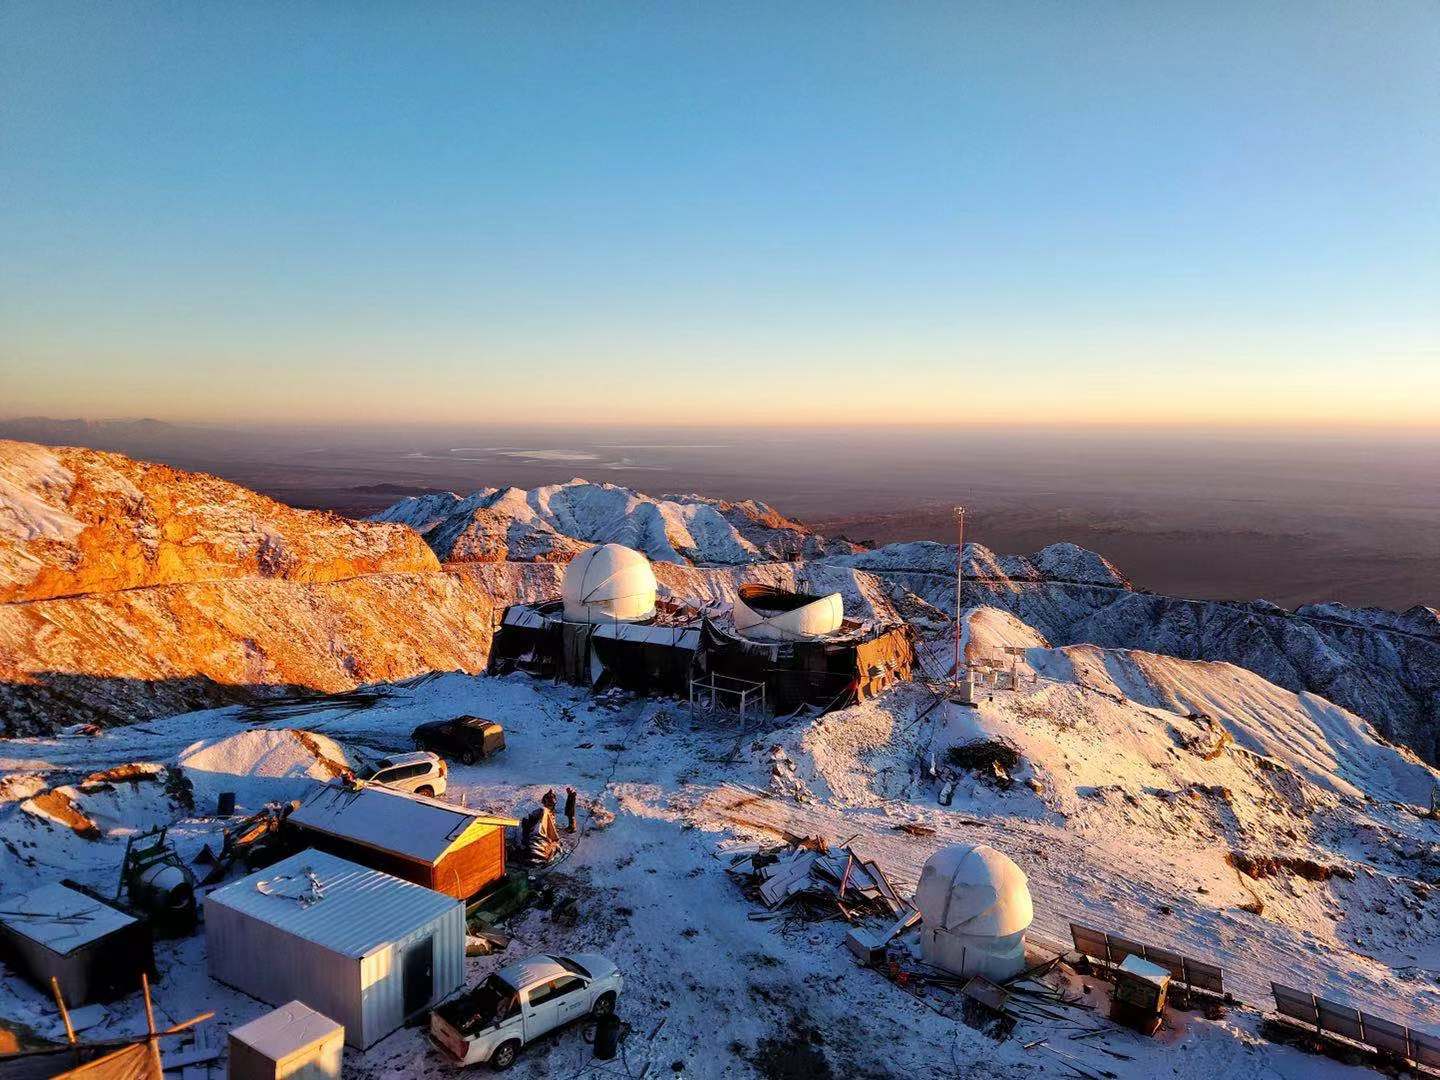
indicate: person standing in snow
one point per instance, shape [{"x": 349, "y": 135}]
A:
[{"x": 570, "y": 796}]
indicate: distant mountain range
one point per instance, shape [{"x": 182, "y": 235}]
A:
[
  {"x": 555, "y": 521},
  {"x": 77, "y": 432}
]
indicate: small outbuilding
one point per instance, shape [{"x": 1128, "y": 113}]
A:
[
  {"x": 443, "y": 846},
  {"x": 94, "y": 949},
  {"x": 294, "y": 1042},
  {"x": 1138, "y": 1000},
  {"x": 975, "y": 907},
  {"x": 363, "y": 947}
]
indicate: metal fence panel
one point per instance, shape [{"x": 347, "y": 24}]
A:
[
  {"x": 1121, "y": 947},
  {"x": 1172, "y": 961},
  {"x": 1426, "y": 1047},
  {"x": 1090, "y": 942},
  {"x": 1204, "y": 976},
  {"x": 1340, "y": 1019},
  {"x": 1386, "y": 1035},
  {"x": 1295, "y": 1004}
]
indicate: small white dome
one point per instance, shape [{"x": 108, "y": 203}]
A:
[
  {"x": 975, "y": 891},
  {"x": 765, "y": 614},
  {"x": 609, "y": 583}
]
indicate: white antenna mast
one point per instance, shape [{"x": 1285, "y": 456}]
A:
[{"x": 959, "y": 586}]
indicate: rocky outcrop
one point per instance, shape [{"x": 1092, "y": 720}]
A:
[
  {"x": 76, "y": 522},
  {"x": 131, "y": 655},
  {"x": 133, "y": 590}
]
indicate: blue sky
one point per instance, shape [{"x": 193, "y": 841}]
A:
[{"x": 938, "y": 213}]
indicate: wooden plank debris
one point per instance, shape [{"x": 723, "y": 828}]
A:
[{"x": 835, "y": 883}]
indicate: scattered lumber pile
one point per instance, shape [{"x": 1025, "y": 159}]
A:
[
  {"x": 1040, "y": 1006},
  {"x": 813, "y": 881}
]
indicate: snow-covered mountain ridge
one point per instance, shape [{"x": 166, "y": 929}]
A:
[
  {"x": 555, "y": 521},
  {"x": 76, "y": 521},
  {"x": 130, "y": 590}
]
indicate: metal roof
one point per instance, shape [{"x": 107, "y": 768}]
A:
[
  {"x": 531, "y": 970},
  {"x": 396, "y": 821},
  {"x": 679, "y": 637},
  {"x": 362, "y": 910},
  {"x": 60, "y": 918},
  {"x": 286, "y": 1031},
  {"x": 673, "y": 625},
  {"x": 1145, "y": 969},
  {"x": 521, "y": 615}
]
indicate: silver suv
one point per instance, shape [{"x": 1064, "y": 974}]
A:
[{"x": 422, "y": 773}]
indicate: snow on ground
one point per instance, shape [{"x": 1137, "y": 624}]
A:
[
  {"x": 30, "y": 478},
  {"x": 261, "y": 765},
  {"x": 1107, "y": 819}
]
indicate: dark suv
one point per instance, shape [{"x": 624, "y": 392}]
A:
[{"x": 465, "y": 738}]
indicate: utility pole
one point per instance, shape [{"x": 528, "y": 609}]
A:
[{"x": 959, "y": 587}]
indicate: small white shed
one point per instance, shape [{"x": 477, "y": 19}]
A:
[
  {"x": 364, "y": 948},
  {"x": 294, "y": 1042}
]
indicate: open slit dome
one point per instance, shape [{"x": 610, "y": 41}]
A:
[{"x": 763, "y": 613}]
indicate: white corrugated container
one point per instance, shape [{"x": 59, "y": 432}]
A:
[{"x": 373, "y": 951}]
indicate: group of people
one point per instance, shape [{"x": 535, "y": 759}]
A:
[{"x": 539, "y": 832}]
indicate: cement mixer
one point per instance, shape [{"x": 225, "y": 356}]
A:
[{"x": 157, "y": 884}]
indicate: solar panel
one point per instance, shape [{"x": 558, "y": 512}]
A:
[
  {"x": 1386, "y": 1035},
  {"x": 1295, "y": 1004},
  {"x": 1340, "y": 1019},
  {"x": 1426, "y": 1048}
]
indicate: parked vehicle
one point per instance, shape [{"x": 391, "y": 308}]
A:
[
  {"x": 421, "y": 773},
  {"x": 467, "y": 738},
  {"x": 520, "y": 1003}
]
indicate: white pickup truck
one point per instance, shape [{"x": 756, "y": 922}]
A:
[{"x": 520, "y": 1003}]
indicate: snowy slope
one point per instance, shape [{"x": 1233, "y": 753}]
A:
[
  {"x": 733, "y": 992},
  {"x": 1382, "y": 665}
]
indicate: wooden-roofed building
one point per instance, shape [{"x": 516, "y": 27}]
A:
[{"x": 443, "y": 846}]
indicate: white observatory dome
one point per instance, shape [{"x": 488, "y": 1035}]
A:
[
  {"x": 975, "y": 906},
  {"x": 763, "y": 613},
  {"x": 608, "y": 583}
]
